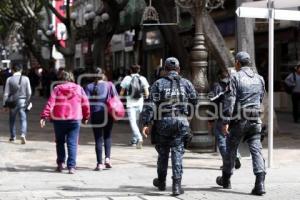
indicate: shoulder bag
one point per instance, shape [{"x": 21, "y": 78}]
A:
[
  {"x": 114, "y": 105},
  {"x": 12, "y": 103}
]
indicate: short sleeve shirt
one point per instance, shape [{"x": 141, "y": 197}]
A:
[{"x": 126, "y": 83}]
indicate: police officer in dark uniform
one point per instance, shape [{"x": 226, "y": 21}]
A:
[
  {"x": 217, "y": 94},
  {"x": 166, "y": 112},
  {"x": 242, "y": 109}
]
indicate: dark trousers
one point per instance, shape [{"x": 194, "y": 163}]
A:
[
  {"x": 295, "y": 102},
  {"x": 163, "y": 158},
  {"x": 102, "y": 131},
  {"x": 66, "y": 131},
  {"x": 250, "y": 130}
]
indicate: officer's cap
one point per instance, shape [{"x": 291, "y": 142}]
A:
[
  {"x": 242, "y": 57},
  {"x": 172, "y": 62}
]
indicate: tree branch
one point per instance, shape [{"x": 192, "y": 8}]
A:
[
  {"x": 55, "y": 12},
  {"x": 68, "y": 20}
]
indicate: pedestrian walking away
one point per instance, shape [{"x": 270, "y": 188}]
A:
[
  {"x": 217, "y": 96},
  {"x": 16, "y": 97},
  {"x": 172, "y": 94},
  {"x": 136, "y": 87},
  {"x": 241, "y": 120},
  {"x": 102, "y": 122},
  {"x": 67, "y": 106},
  {"x": 292, "y": 83}
]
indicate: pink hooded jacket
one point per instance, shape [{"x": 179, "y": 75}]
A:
[{"x": 68, "y": 101}]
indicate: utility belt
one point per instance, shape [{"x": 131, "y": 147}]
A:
[
  {"x": 250, "y": 113},
  {"x": 176, "y": 113}
]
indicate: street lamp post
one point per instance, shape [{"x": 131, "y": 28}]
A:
[
  {"x": 45, "y": 43},
  {"x": 199, "y": 64},
  {"x": 89, "y": 17}
]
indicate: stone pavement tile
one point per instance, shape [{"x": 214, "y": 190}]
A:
[
  {"x": 158, "y": 198},
  {"x": 94, "y": 198},
  {"x": 125, "y": 198},
  {"x": 64, "y": 199}
]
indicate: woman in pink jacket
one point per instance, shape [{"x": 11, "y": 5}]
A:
[{"x": 67, "y": 106}]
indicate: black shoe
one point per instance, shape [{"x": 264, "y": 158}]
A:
[
  {"x": 259, "y": 188},
  {"x": 176, "y": 187},
  {"x": 224, "y": 181},
  {"x": 160, "y": 184},
  {"x": 237, "y": 163}
]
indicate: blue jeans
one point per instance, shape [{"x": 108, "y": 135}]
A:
[
  {"x": 19, "y": 109},
  {"x": 222, "y": 139},
  {"x": 133, "y": 114},
  {"x": 66, "y": 131},
  {"x": 102, "y": 130}
]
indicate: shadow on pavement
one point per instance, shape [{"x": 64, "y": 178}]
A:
[
  {"x": 128, "y": 189},
  {"x": 46, "y": 169},
  {"x": 216, "y": 189}
]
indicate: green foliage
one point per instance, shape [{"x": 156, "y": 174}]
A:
[
  {"x": 131, "y": 16},
  {"x": 20, "y": 10},
  {"x": 4, "y": 27}
]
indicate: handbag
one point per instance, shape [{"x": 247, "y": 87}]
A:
[
  {"x": 12, "y": 103},
  {"x": 115, "y": 106}
]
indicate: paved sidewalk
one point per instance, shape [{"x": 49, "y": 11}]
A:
[{"x": 27, "y": 171}]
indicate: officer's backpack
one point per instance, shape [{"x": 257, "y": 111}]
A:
[{"x": 135, "y": 90}]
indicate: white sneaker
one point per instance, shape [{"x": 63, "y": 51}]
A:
[
  {"x": 23, "y": 139},
  {"x": 139, "y": 144},
  {"x": 12, "y": 140}
]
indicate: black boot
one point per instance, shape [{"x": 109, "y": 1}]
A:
[
  {"x": 237, "y": 163},
  {"x": 224, "y": 180},
  {"x": 176, "y": 188},
  {"x": 259, "y": 188},
  {"x": 160, "y": 183}
]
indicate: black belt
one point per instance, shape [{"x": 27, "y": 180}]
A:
[
  {"x": 251, "y": 113},
  {"x": 173, "y": 114}
]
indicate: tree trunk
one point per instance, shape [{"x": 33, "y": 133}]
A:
[
  {"x": 216, "y": 43},
  {"x": 36, "y": 52},
  {"x": 245, "y": 35},
  {"x": 171, "y": 33},
  {"x": 69, "y": 61},
  {"x": 98, "y": 52},
  {"x": 105, "y": 31}
]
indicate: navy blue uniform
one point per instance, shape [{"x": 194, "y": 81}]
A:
[
  {"x": 242, "y": 107},
  {"x": 167, "y": 111}
]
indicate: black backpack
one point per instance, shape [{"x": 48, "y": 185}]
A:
[{"x": 135, "y": 90}]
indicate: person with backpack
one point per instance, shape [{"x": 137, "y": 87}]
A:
[
  {"x": 136, "y": 87},
  {"x": 292, "y": 85},
  {"x": 168, "y": 109},
  {"x": 17, "y": 93}
]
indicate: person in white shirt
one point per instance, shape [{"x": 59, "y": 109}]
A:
[{"x": 136, "y": 87}]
